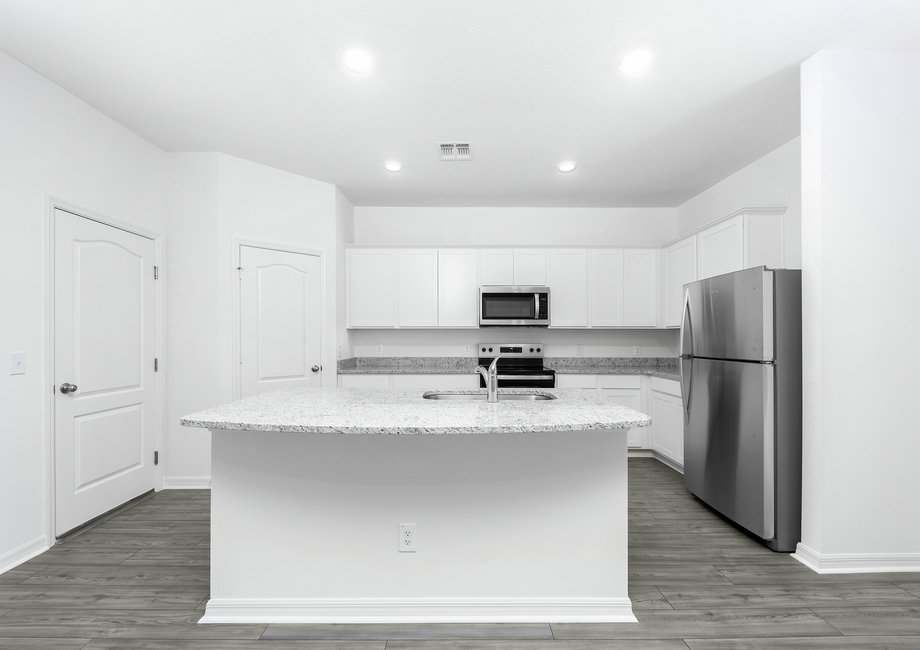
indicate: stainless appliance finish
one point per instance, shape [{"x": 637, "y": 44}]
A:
[
  {"x": 741, "y": 381},
  {"x": 513, "y": 306},
  {"x": 520, "y": 366}
]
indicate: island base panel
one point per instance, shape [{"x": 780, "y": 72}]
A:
[{"x": 515, "y": 527}]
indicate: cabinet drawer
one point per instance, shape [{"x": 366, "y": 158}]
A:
[
  {"x": 621, "y": 381},
  {"x": 364, "y": 381},
  {"x": 666, "y": 386},
  {"x": 435, "y": 382}
]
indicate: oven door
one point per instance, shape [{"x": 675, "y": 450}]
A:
[{"x": 514, "y": 306}]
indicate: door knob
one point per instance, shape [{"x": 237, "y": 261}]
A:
[
  {"x": 68, "y": 388},
  {"x": 316, "y": 368}
]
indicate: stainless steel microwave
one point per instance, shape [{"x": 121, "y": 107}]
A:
[{"x": 514, "y": 306}]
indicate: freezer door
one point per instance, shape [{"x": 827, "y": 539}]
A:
[
  {"x": 729, "y": 441},
  {"x": 732, "y": 315}
]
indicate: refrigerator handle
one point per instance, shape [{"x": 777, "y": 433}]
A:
[{"x": 686, "y": 356}]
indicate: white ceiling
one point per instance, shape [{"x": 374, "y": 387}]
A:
[{"x": 528, "y": 82}]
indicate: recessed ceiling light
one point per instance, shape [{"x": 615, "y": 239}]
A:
[
  {"x": 392, "y": 165},
  {"x": 637, "y": 61},
  {"x": 357, "y": 60},
  {"x": 566, "y": 166}
]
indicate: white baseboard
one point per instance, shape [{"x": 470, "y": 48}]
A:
[
  {"x": 673, "y": 464},
  {"x": 12, "y": 559},
  {"x": 635, "y": 452},
  {"x": 857, "y": 562},
  {"x": 419, "y": 610},
  {"x": 186, "y": 482}
]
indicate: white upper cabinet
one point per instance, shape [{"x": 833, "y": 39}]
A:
[
  {"x": 640, "y": 287},
  {"x": 605, "y": 287},
  {"x": 530, "y": 267},
  {"x": 371, "y": 287},
  {"x": 417, "y": 286},
  {"x": 568, "y": 284},
  {"x": 679, "y": 269},
  {"x": 458, "y": 287},
  {"x": 514, "y": 266},
  {"x": 498, "y": 266},
  {"x": 746, "y": 239},
  {"x": 721, "y": 248}
]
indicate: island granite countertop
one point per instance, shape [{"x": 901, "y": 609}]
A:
[
  {"x": 405, "y": 411},
  {"x": 663, "y": 367}
]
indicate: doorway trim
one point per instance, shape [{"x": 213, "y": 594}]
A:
[
  {"x": 236, "y": 243},
  {"x": 53, "y": 203}
]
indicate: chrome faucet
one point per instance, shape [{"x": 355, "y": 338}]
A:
[{"x": 491, "y": 378}]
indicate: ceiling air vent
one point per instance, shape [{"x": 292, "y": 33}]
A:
[{"x": 454, "y": 151}]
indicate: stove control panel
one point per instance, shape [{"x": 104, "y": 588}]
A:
[{"x": 519, "y": 350}]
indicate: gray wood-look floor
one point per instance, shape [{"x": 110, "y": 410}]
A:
[{"x": 139, "y": 581}]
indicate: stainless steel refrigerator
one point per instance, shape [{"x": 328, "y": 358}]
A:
[{"x": 741, "y": 381}]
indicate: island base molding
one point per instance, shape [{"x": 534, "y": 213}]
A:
[{"x": 439, "y": 610}]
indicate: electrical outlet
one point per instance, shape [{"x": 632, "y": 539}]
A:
[
  {"x": 579, "y": 350},
  {"x": 17, "y": 363},
  {"x": 637, "y": 350},
  {"x": 467, "y": 349},
  {"x": 379, "y": 349},
  {"x": 408, "y": 538},
  {"x": 339, "y": 352}
]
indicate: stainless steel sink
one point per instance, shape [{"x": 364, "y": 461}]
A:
[{"x": 482, "y": 397}]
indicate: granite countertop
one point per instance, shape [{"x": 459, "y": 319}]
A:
[
  {"x": 664, "y": 367},
  {"x": 404, "y": 411}
]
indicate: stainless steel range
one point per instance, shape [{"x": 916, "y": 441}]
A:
[{"x": 520, "y": 365}]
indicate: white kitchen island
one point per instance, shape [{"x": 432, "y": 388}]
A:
[{"x": 520, "y": 508}]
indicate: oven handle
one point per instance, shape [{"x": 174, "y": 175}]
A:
[{"x": 526, "y": 377}]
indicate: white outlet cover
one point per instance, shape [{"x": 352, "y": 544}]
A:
[
  {"x": 408, "y": 538},
  {"x": 17, "y": 363}
]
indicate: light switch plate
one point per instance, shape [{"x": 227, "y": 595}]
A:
[{"x": 17, "y": 363}]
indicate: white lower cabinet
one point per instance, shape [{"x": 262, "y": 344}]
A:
[
  {"x": 667, "y": 413},
  {"x": 420, "y": 381},
  {"x": 623, "y": 389}
]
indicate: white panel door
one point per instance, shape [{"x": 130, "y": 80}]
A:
[
  {"x": 530, "y": 267},
  {"x": 417, "y": 286},
  {"x": 640, "y": 288},
  {"x": 280, "y": 320},
  {"x": 498, "y": 266},
  {"x": 606, "y": 288},
  {"x": 568, "y": 283},
  {"x": 458, "y": 288},
  {"x": 371, "y": 287},
  {"x": 104, "y": 346},
  {"x": 630, "y": 398},
  {"x": 721, "y": 248},
  {"x": 679, "y": 269}
]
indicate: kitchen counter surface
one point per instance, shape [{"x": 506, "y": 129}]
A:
[
  {"x": 404, "y": 411},
  {"x": 664, "y": 367}
]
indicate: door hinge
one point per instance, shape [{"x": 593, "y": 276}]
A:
[
  {"x": 156, "y": 272},
  {"x": 156, "y": 458},
  {"x": 156, "y": 365}
]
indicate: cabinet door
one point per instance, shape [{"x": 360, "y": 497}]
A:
[
  {"x": 364, "y": 381},
  {"x": 371, "y": 287},
  {"x": 640, "y": 288},
  {"x": 568, "y": 283},
  {"x": 679, "y": 269},
  {"x": 436, "y": 382},
  {"x": 498, "y": 266},
  {"x": 721, "y": 248},
  {"x": 668, "y": 426},
  {"x": 530, "y": 267},
  {"x": 418, "y": 287},
  {"x": 631, "y": 398},
  {"x": 605, "y": 287},
  {"x": 458, "y": 288}
]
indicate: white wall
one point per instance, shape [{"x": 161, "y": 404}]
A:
[
  {"x": 344, "y": 234},
  {"x": 53, "y": 144},
  {"x": 215, "y": 198},
  {"x": 514, "y": 226},
  {"x": 860, "y": 228},
  {"x": 774, "y": 180}
]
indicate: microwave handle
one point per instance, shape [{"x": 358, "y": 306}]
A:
[{"x": 536, "y": 305}]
